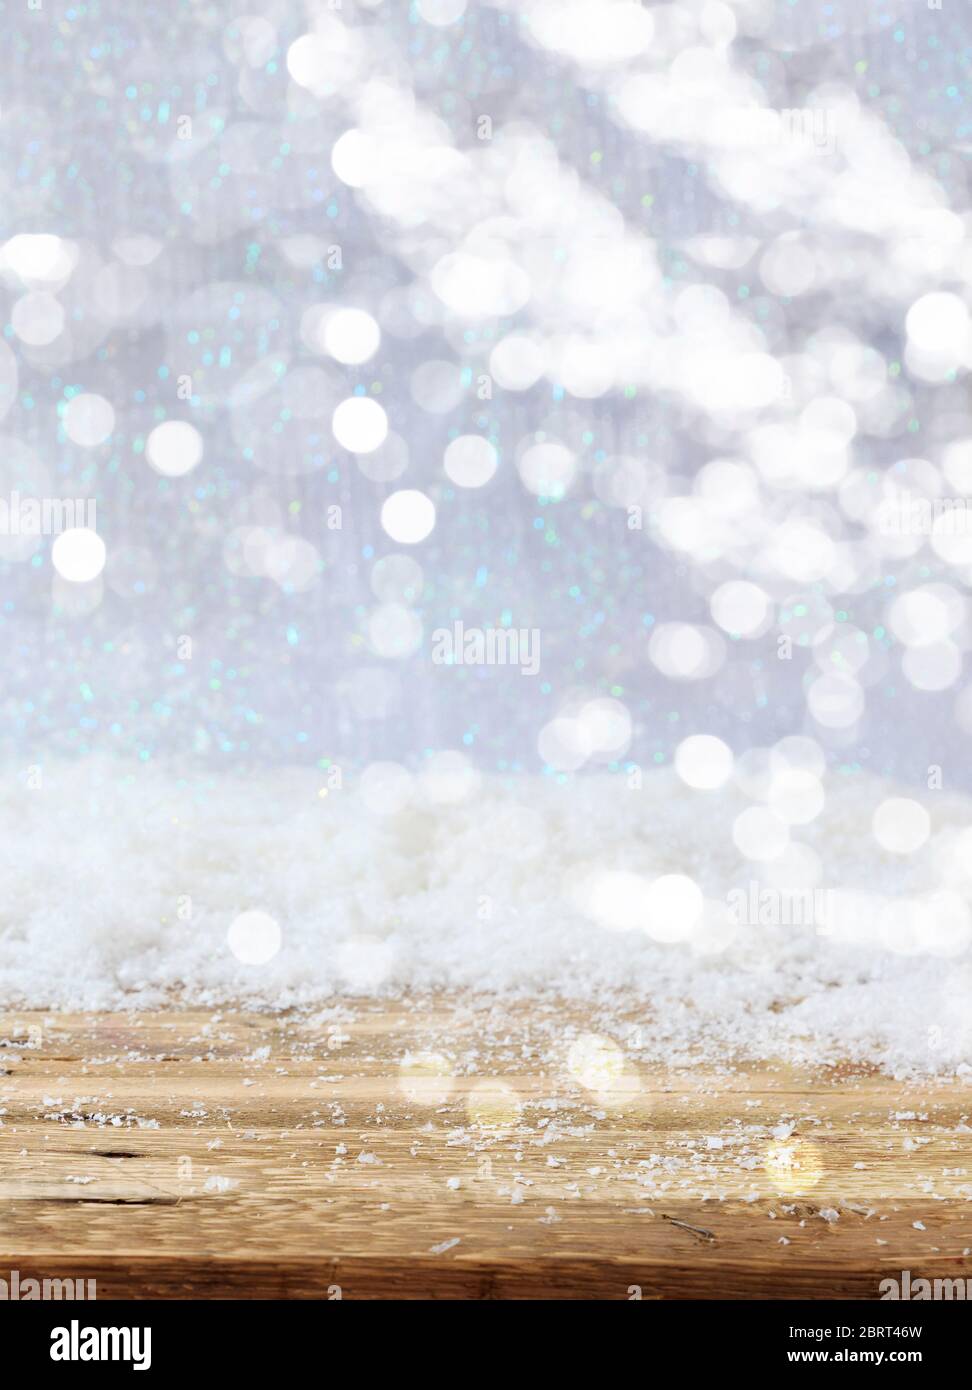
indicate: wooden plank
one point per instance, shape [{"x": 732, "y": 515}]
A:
[{"x": 453, "y": 1148}]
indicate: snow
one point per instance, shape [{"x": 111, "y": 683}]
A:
[{"x": 121, "y": 884}]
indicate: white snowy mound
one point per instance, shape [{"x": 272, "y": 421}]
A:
[{"x": 842, "y": 937}]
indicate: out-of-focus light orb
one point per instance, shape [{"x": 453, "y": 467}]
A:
[
  {"x": 252, "y": 38},
  {"x": 789, "y": 267},
  {"x": 492, "y": 1104},
  {"x": 753, "y": 774},
  {"x": 836, "y": 701},
  {"x": 583, "y": 366},
  {"x": 601, "y": 32},
  {"x": 674, "y": 907},
  {"x": 937, "y": 667},
  {"x": 470, "y": 460},
  {"x": 844, "y": 647},
  {"x": 355, "y": 158},
  {"x": 88, "y": 420},
  {"x": 685, "y": 652},
  {"x": 957, "y": 465},
  {"x": 408, "y": 516},
  {"x": 394, "y": 631},
  {"x": 595, "y": 1062},
  {"x": 617, "y": 899},
  {"x": 387, "y": 462},
  {"x": 386, "y": 788},
  {"x": 796, "y": 796},
  {"x": 174, "y": 448},
  {"x": 803, "y": 551},
  {"x": 687, "y": 524},
  {"x": 798, "y": 751},
  {"x": 78, "y": 554},
  {"x": 717, "y": 23},
  {"x": 365, "y": 962},
  {"x": 9, "y": 377},
  {"x": 359, "y": 424},
  {"x": 704, "y": 761},
  {"x": 938, "y": 324},
  {"x": 425, "y": 1078},
  {"x": 901, "y": 825},
  {"x": 564, "y": 744},
  {"x": 327, "y": 60},
  {"x": 448, "y": 778},
  {"x": 350, "y": 336},
  {"x": 294, "y": 564},
  {"x": 829, "y": 424},
  {"x": 39, "y": 257},
  {"x": 605, "y": 726},
  {"x": 948, "y": 923},
  {"x": 902, "y": 923},
  {"x": 37, "y": 319},
  {"x": 794, "y": 1166},
  {"x": 397, "y": 579},
  {"x": 517, "y": 362},
  {"x": 480, "y": 287},
  {"x": 254, "y": 937},
  {"x": 760, "y": 834},
  {"x": 746, "y": 382},
  {"x": 740, "y": 608},
  {"x": 440, "y": 12},
  {"x": 922, "y": 617},
  {"x": 547, "y": 469}
]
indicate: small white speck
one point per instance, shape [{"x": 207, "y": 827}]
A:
[{"x": 445, "y": 1245}]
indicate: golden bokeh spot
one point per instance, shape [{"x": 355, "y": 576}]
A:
[
  {"x": 492, "y": 1105},
  {"x": 425, "y": 1078},
  {"x": 794, "y": 1166},
  {"x": 597, "y": 1063}
]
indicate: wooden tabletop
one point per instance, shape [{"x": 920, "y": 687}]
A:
[{"x": 447, "y": 1148}]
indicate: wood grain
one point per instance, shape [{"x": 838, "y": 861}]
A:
[{"x": 447, "y": 1148}]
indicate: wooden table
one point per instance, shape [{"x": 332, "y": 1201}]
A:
[{"x": 448, "y": 1148}]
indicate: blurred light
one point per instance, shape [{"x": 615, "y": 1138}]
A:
[
  {"x": 37, "y": 319},
  {"x": 596, "y": 1062},
  {"x": 350, "y": 335},
  {"x": 674, "y": 906},
  {"x": 408, "y": 516},
  {"x": 254, "y": 938},
  {"x": 492, "y": 1104},
  {"x": 88, "y": 420},
  {"x": 174, "y": 448},
  {"x": 740, "y": 608},
  {"x": 796, "y": 796},
  {"x": 425, "y": 1078},
  {"x": 440, "y": 12},
  {"x": 547, "y": 469},
  {"x": 517, "y": 362},
  {"x": 759, "y": 833},
  {"x": 449, "y": 778},
  {"x": 359, "y": 424},
  {"x": 394, "y": 631},
  {"x": 703, "y": 761},
  {"x": 793, "y": 1167},
  {"x": 901, "y": 825},
  {"x": 470, "y": 460},
  {"x": 835, "y": 701},
  {"x": 78, "y": 554},
  {"x": 683, "y": 652}
]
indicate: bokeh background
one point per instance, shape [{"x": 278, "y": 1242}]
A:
[{"x": 707, "y": 344}]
